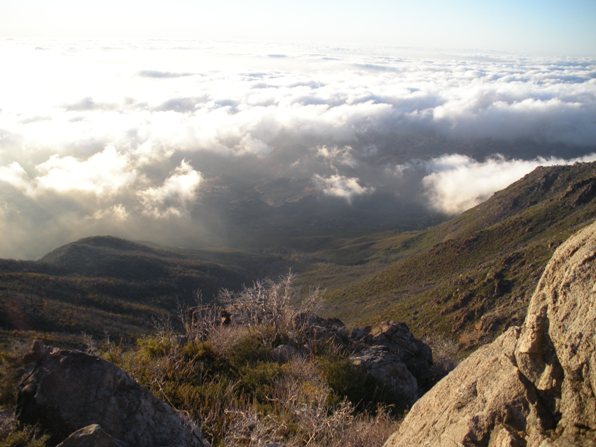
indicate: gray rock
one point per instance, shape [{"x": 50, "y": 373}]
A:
[
  {"x": 68, "y": 390},
  {"x": 389, "y": 369},
  {"x": 556, "y": 351},
  {"x": 534, "y": 385},
  {"x": 90, "y": 436},
  {"x": 284, "y": 353},
  {"x": 390, "y": 353},
  {"x": 415, "y": 354},
  {"x": 315, "y": 327}
]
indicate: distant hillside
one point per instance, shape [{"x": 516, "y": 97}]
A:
[
  {"x": 108, "y": 285},
  {"x": 471, "y": 276}
]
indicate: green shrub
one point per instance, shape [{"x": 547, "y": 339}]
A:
[
  {"x": 257, "y": 380},
  {"x": 155, "y": 346},
  {"x": 10, "y": 371},
  {"x": 361, "y": 389},
  {"x": 23, "y": 438},
  {"x": 248, "y": 349}
]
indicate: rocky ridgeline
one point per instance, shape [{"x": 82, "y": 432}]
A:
[{"x": 534, "y": 385}]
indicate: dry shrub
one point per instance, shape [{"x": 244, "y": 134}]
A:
[
  {"x": 251, "y": 429},
  {"x": 366, "y": 430},
  {"x": 445, "y": 352},
  {"x": 265, "y": 303},
  {"x": 225, "y": 338},
  {"x": 200, "y": 320},
  {"x": 225, "y": 377}
]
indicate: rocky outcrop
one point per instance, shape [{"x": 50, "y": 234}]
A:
[
  {"x": 534, "y": 385},
  {"x": 65, "y": 391},
  {"x": 390, "y": 353},
  {"x": 390, "y": 372},
  {"x": 308, "y": 326}
]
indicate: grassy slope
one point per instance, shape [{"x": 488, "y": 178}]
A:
[{"x": 470, "y": 276}]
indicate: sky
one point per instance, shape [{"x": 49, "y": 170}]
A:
[
  {"x": 203, "y": 125},
  {"x": 537, "y": 27}
]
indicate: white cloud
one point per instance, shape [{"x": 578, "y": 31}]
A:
[
  {"x": 99, "y": 134},
  {"x": 16, "y": 176},
  {"x": 340, "y": 186},
  {"x": 117, "y": 212},
  {"x": 103, "y": 173},
  {"x": 173, "y": 196},
  {"x": 336, "y": 155},
  {"x": 458, "y": 182}
]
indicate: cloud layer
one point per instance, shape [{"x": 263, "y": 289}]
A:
[{"x": 215, "y": 144}]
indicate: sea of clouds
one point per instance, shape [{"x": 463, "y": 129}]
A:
[{"x": 207, "y": 143}]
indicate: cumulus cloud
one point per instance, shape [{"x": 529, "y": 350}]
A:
[
  {"x": 16, "y": 176},
  {"x": 117, "y": 212},
  {"x": 103, "y": 173},
  {"x": 458, "y": 182},
  {"x": 218, "y": 142},
  {"x": 341, "y": 186},
  {"x": 172, "y": 197}
]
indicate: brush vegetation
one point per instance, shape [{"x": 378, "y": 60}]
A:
[{"x": 237, "y": 385}]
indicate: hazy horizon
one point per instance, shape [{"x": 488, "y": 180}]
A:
[{"x": 532, "y": 27}]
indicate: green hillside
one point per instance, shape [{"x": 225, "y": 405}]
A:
[{"x": 469, "y": 277}]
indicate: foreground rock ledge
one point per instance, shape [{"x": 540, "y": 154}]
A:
[
  {"x": 534, "y": 385},
  {"x": 66, "y": 391}
]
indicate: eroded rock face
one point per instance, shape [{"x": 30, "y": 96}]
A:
[
  {"x": 557, "y": 347},
  {"x": 68, "y": 390},
  {"x": 534, "y": 385}
]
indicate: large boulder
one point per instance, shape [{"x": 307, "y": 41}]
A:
[
  {"x": 534, "y": 385},
  {"x": 390, "y": 353},
  {"x": 64, "y": 391},
  {"x": 390, "y": 372}
]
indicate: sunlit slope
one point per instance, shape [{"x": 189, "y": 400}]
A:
[{"x": 472, "y": 276}]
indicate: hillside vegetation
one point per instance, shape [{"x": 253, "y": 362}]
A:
[
  {"x": 271, "y": 375},
  {"x": 471, "y": 276},
  {"x": 105, "y": 285},
  {"x": 462, "y": 281}
]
